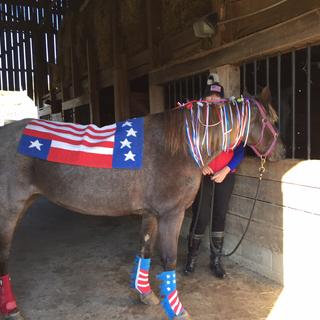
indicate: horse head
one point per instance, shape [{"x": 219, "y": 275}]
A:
[{"x": 264, "y": 138}]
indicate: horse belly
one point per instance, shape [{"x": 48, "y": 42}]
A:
[{"x": 90, "y": 190}]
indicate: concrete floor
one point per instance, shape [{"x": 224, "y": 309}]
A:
[{"x": 68, "y": 266}]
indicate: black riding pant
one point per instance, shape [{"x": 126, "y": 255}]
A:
[{"x": 211, "y": 197}]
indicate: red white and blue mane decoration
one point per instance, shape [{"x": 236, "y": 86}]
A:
[
  {"x": 233, "y": 116},
  {"x": 119, "y": 145}
]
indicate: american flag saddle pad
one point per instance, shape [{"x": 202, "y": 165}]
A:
[{"x": 119, "y": 145}]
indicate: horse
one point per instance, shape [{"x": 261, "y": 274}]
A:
[{"x": 160, "y": 191}]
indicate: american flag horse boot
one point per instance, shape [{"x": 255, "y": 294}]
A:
[
  {"x": 140, "y": 281},
  {"x": 170, "y": 298}
]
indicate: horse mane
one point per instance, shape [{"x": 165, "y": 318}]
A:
[{"x": 175, "y": 128}]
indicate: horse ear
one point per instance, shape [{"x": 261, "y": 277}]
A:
[{"x": 266, "y": 95}]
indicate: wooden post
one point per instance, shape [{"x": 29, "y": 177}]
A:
[
  {"x": 230, "y": 79},
  {"x": 93, "y": 85},
  {"x": 120, "y": 75},
  {"x": 156, "y": 98},
  {"x": 153, "y": 29},
  {"x": 76, "y": 91}
]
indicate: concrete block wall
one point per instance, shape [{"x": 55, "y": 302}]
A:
[{"x": 284, "y": 233}]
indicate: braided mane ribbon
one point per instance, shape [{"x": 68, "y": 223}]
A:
[{"x": 232, "y": 118}]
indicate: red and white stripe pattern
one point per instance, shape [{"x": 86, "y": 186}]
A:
[
  {"x": 119, "y": 145},
  {"x": 174, "y": 302},
  {"x": 94, "y": 145},
  {"x": 142, "y": 280}
]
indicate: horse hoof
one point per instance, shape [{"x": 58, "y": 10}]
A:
[
  {"x": 14, "y": 316},
  {"x": 183, "y": 316},
  {"x": 149, "y": 299}
]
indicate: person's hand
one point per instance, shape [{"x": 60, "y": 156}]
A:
[
  {"x": 207, "y": 170},
  {"x": 219, "y": 176}
]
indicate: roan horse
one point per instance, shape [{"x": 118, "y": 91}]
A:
[{"x": 161, "y": 191}]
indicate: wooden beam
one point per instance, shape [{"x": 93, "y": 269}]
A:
[
  {"x": 121, "y": 89},
  {"x": 25, "y": 26},
  {"x": 93, "y": 84},
  {"x": 74, "y": 68},
  {"x": 76, "y": 102},
  {"x": 153, "y": 9},
  {"x": 294, "y": 33},
  {"x": 138, "y": 59},
  {"x": 120, "y": 74}
]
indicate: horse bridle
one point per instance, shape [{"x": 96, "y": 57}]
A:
[{"x": 266, "y": 123}]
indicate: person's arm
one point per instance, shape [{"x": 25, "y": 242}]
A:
[{"x": 238, "y": 155}]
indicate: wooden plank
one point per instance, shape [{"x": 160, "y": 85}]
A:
[
  {"x": 15, "y": 61},
  {"x": 93, "y": 86},
  {"x": 24, "y": 26},
  {"x": 177, "y": 42},
  {"x": 76, "y": 102},
  {"x": 120, "y": 75},
  {"x": 4, "y": 74},
  {"x": 22, "y": 60},
  {"x": 121, "y": 90},
  {"x": 105, "y": 77},
  {"x": 153, "y": 8},
  {"x": 9, "y": 59},
  {"x": 29, "y": 66},
  {"x": 74, "y": 70},
  {"x": 138, "y": 60},
  {"x": 264, "y": 19},
  {"x": 295, "y": 32}
]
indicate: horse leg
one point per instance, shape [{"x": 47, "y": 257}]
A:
[
  {"x": 169, "y": 230},
  {"x": 140, "y": 275},
  {"x": 9, "y": 218}
]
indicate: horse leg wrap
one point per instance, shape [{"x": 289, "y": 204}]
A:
[
  {"x": 7, "y": 300},
  {"x": 169, "y": 294},
  {"x": 140, "y": 276}
]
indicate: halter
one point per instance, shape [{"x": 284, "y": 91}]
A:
[
  {"x": 243, "y": 114},
  {"x": 265, "y": 123}
]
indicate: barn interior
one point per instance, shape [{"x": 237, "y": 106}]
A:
[{"x": 102, "y": 61}]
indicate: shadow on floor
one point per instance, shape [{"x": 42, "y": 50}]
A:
[{"x": 69, "y": 266}]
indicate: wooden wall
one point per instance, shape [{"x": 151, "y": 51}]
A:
[
  {"x": 157, "y": 38},
  {"x": 28, "y": 44}
]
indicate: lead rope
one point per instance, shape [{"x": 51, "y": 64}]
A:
[{"x": 262, "y": 169}]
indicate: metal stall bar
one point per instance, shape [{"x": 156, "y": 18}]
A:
[
  {"x": 255, "y": 76},
  {"x": 169, "y": 95},
  {"x": 293, "y": 66},
  {"x": 200, "y": 86},
  {"x": 244, "y": 78},
  {"x": 309, "y": 102},
  {"x": 193, "y": 88},
  {"x": 279, "y": 89},
  {"x": 187, "y": 90},
  {"x": 268, "y": 71},
  {"x": 174, "y": 93}
]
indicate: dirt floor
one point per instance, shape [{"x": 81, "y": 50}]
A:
[{"x": 69, "y": 266}]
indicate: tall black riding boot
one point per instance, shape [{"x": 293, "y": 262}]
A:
[
  {"x": 194, "y": 242},
  {"x": 215, "y": 259}
]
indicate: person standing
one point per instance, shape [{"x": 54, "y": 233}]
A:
[{"x": 217, "y": 185}]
